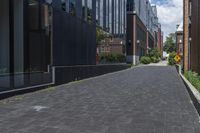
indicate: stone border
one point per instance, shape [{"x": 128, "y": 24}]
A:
[{"x": 194, "y": 94}]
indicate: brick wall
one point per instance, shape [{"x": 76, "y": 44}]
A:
[{"x": 186, "y": 34}]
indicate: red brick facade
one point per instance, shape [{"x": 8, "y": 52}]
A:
[
  {"x": 112, "y": 45},
  {"x": 186, "y": 35}
]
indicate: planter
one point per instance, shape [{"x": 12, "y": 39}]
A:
[{"x": 194, "y": 94}]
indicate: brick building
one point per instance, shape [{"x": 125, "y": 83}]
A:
[
  {"x": 179, "y": 39},
  {"x": 143, "y": 29},
  {"x": 186, "y": 34},
  {"x": 112, "y": 45},
  {"x": 160, "y": 39},
  {"x": 191, "y": 35}
]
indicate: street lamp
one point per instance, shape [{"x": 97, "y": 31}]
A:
[
  {"x": 148, "y": 48},
  {"x": 138, "y": 42},
  {"x": 129, "y": 42}
]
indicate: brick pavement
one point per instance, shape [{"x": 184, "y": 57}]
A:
[{"x": 150, "y": 99}]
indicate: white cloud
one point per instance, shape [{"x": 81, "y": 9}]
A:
[{"x": 170, "y": 14}]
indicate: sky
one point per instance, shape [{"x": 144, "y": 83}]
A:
[{"x": 170, "y": 13}]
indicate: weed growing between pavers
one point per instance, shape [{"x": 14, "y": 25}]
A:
[
  {"x": 12, "y": 99},
  {"x": 49, "y": 89}
]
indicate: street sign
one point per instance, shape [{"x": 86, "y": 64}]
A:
[{"x": 177, "y": 58}]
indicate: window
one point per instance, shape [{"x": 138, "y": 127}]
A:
[
  {"x": 130, "y": 5},
  {"x": 89, "y": 13},
  {"x": 34, "y": 13},
  {"x": 97, "y": 12},
  {"x": 39, "y": 40},
  {"x": 83, "y": 9},
  {"x": 46, "y": 19},
  {"x": 4, "y": 37},
  {"x": 110, "y": 15},
  {"x": 190, "y": 8},
  {"x": 63, "y": 5},
  {"x": 4, "y": 45},
  {"x": 141, "y": 35},
  {"x": 107, "y": 15},
  {"x": 72, "y": 7}
]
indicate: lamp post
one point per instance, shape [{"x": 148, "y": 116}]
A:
[{"x": 138, "y": 42}]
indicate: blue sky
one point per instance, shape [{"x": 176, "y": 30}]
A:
[
  {"x": 170, "y": 13},
  {"x": 160, "y": 2}
]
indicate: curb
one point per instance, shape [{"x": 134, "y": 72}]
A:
[
  {"x": 194, "y": 94},
  {"x": 30, "y": 89},
  {"x": 12, "y": 93}
]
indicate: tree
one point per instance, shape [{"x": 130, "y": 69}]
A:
[
  {"x": 100, "y": 35},
  {"x": 173, "y": 35},
  {"x": 155, "y": 53},
  {"x": 170, "y": 45}
]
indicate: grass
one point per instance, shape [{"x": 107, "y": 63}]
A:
[
  {"x": 12, "y": 99},
  {"x": 131, "y": 65},
  {"x": 194, "y": 79}
]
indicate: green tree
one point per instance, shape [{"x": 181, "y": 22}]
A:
[
  {"x": 100, "y": 35},
  {"x": 155, "y": 53},
  {"x": 170, "y": 45},
  {"x": 173, "y": 35}
]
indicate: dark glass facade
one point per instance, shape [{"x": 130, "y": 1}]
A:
[
  {"x": 146, "y": 12},
  {"x": 39, "y": 35},
  {"x": 111, "y": 15},
  {"x": 4, "y": 44},
  {"x": 74, "y": 39},
  {"x": 27, "y": 56}
]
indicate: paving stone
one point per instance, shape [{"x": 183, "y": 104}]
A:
[{"x": 150, "y": 99}]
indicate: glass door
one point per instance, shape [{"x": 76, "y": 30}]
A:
[{"x": 4, "y": 45}]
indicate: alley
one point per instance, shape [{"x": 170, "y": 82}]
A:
[{"x": 149, "y": 99}]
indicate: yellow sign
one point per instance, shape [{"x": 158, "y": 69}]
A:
[{"x": 177, "y": 58}]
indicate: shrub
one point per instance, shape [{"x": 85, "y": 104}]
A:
[
  {"x": 121, "y": 57},
  {"x": 171, "y": 60},
  {"x": 194, "y": 79},
  {"x": 145, "y": 60},
  {"x": 112, "y": 58},
  {"x": 155, "y": 53},
  {"x": 154, "y": 59}
]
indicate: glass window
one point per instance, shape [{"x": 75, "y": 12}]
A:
[
  {"x": 130, "y": 5},
  {"x": 101, "y": 13},
  {"x": 40, "y": 25},
  {"x": 34, "y": 13},
  {"x": 89, "y": 13},
  {"x": 72, "y": 7},
  {"x": 110, "y": 15},
  {"x": 46, "y": 19},
  {"x": 84, "y": 9},
  {"x": 117, "y": 17},
  {"x": 4, "y": 45},
  {"x": 63, "y": 4},
  {"x": 107, "y": 15},
  {"x": 97, "y": 15},
  {"x": 4, "y": 37}
]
